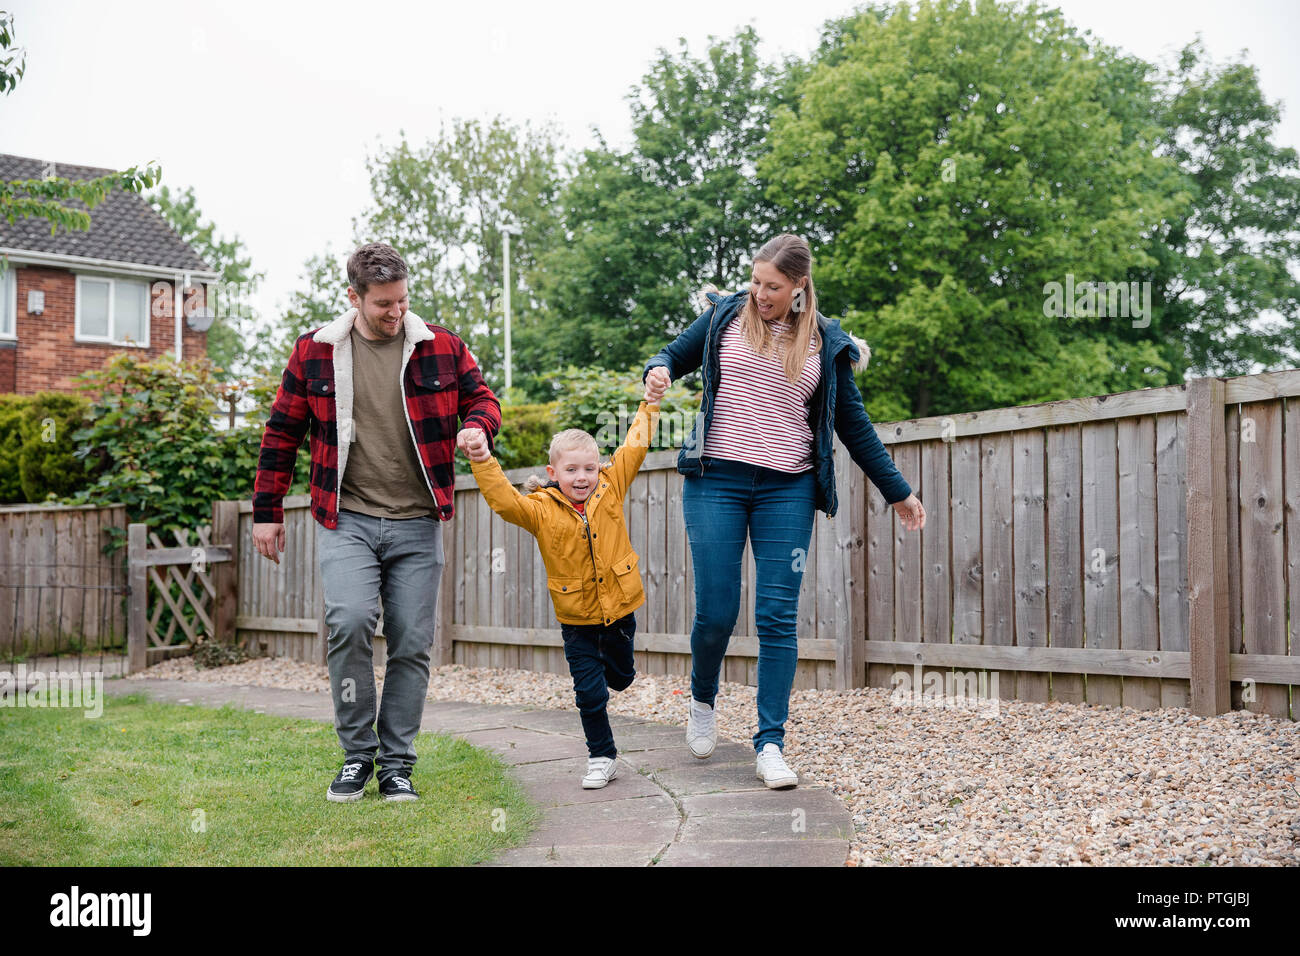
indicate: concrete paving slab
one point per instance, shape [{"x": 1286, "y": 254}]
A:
[
  {"x": 464, "y": 719},
  {"x": 648, "y": 737},
  {"x": 779, "y": 853},
  {"x": 709, "y": 777},
  {"x": 596, "y": 833},
  {"x": 521, "y": 745},
  {"x": 656, "y": 807},
  {"x": 680, "y": 757},
  {"x": 556, "y": 783},
  {"x": 809, "y": 814},
  {"x": 636, "y": 855},
  {"x": 552, "y": 721}
]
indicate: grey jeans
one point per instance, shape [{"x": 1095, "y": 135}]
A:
[{"x": 360, "y": 561}]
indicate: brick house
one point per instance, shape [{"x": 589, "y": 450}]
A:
[{"x": 69, "y": 300}]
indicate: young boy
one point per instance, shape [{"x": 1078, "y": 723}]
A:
[{"x": 591, "y": 569}]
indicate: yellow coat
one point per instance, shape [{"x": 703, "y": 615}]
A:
[{"x": 591, "y": 570}]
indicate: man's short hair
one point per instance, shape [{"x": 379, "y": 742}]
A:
[{"x": 375, "y": 263}]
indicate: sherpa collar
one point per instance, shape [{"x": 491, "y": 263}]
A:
[{"x": 413, "y": 328}]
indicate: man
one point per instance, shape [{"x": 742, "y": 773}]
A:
[{"x": 379, "y": 391}]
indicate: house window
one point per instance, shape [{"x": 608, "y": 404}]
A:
[
  {"x": 8, "y": 303},
  {"x": 112, "y": 310}
]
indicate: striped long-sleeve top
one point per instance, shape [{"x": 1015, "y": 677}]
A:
[{"x": 759, "y": 416}]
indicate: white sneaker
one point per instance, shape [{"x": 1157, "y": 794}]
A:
[
  {"x": 772, "y": 769},
  {"x": 600, "y": 771},
  {"x": 701, "y": 729}
]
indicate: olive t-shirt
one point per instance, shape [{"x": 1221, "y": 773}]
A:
[{"x": 384, "y": 477}]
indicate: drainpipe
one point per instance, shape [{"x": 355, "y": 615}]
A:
[{"x": 178, "y": 293}]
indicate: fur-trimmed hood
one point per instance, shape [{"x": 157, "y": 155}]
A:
[{"x": 864, "y": 352}]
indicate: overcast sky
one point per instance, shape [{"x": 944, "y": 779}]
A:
[{"x": 269, "y": 109}]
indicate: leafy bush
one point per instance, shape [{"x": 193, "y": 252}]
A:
[
  {"x": 11, "y": 443},
  {"x": 37, "y": 446},
  {"x": 525, "y": 435},
  {"x": 48, "y": 464},
  {"x": 152, "y": 431},
  {"x": 603, "y": 404}
]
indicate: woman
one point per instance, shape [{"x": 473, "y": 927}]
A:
[{"x": 759, "y": 463}]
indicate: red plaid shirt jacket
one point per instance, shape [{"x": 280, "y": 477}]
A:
[{"x": 441, "y": 382}]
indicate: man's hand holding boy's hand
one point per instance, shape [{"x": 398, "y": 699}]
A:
[
  {"x": 473, "y": 442},
  {"x": 656, "y": 384}
]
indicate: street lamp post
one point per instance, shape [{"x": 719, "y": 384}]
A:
[{"x": 507, "y": 230}]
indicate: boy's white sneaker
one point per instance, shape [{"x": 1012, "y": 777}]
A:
[
  {"x": 600, "y": 771},
  {"x": 772, "y": 769},
  {"x": 701, "y": 728}
]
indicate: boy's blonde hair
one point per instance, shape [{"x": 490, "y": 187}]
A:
[{"x": 567, "y": 440}]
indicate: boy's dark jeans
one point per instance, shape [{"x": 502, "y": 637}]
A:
[{"x": 600, "y": 659}]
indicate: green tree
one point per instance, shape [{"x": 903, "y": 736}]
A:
[
  {"x": 13, "y": 58},
  {"x": 949, "y": 164},
  {"x": 1231, "y": 258},
  {"x": 231, "y": 335},
  {"x": 645, "y": 227},
  {"x": 443, "y": 205}
]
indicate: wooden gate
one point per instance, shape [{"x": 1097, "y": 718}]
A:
[{"x": 183, "y": 593}]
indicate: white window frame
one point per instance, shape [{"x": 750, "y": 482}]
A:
[
  {"x": 111, "y": 339},
  {"x": 9, "y": 301}
]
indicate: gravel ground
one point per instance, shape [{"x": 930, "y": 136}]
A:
[{"x": 1053, "y": 784}]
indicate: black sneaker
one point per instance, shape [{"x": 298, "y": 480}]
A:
[
  {"x": 397, "y": 786},
  {"x": 350, "y": 784}
]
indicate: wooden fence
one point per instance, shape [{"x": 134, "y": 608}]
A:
[
  {"x": 494, "y": 608},
  {"x": 59, "y": 591},
  {"x": 1141, "y": 548},
  {"x": 279, "y": 608}
]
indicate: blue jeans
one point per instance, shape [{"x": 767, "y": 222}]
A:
[
  {"x": 360, "y": 561},
  {"x": 600, "y": 659},
  {"x": 721, "y": 507}
]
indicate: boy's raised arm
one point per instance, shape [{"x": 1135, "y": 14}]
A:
[
  {"x": 631, "y": 454},
  {"x": 503, "y": 497}
]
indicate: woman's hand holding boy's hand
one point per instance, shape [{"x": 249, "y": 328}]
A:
[
  {"x": 911, "y": 512},
  {"x": 656, "y": 384},
  {"x": 474, "y": 444}
]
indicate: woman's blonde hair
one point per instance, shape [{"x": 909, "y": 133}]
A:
[
  {"x": 789, "y": 255},
  {"x": 567, "y": 440}
]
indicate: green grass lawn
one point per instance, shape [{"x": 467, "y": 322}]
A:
[{"x": 150, "y": 784}]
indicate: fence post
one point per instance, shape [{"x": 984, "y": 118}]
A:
[
  {"x": 850, "y": 527},
  {"x": 1207, "y": 547},
  {"x": 137, "y": 543},
  {"x": 225, "y": 574}
]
